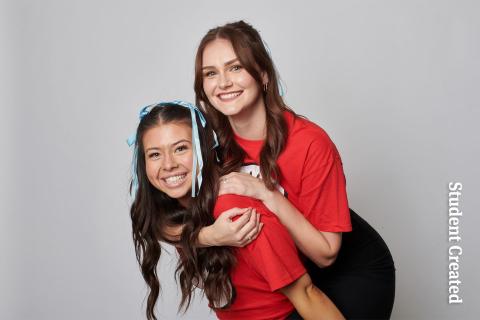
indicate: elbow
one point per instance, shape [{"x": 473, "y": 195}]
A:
[
  {"x": 328, "y": 255},
  {"x": 310, "y": 291},
  {"x": 325, "y": 261},
  {"x": 315, "y": 296},
  {"x": 330, "y": 260}
]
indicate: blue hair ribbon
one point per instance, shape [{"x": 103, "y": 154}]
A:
[{"x": 197, "y": 152}]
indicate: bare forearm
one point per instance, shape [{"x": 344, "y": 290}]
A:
[
  {"x": 205, "y": 238},
  {"x": 320, "y": 247}
]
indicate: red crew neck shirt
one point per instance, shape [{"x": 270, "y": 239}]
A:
[{"x": 311, "y": 174}]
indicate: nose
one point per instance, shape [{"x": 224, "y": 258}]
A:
[
  {"x": 224, "y": 81},
  {"x": 169, "y": 162}
]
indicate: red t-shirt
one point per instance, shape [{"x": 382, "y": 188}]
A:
[
  {"x": 267, "y": 264},
  {"x": 311, "y": 174}
]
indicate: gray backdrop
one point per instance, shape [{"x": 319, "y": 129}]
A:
[{"x": 394, "y": 83}]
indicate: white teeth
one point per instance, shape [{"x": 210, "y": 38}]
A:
[
  {"x": 229, "y": 95},
  {"x": 175, "y": 179}
]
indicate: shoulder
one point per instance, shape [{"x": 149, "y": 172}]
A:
[
  {"x": 274, "y": 241},
  {"x": 306, "y": 137}
]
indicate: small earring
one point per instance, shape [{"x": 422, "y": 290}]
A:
[{"x": 265, "y": 87}]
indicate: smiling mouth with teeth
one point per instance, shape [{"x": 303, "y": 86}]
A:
[
  {"x": 175, "y": 180},
  {"x": 230, "y": 95}
]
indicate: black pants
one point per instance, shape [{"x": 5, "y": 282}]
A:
[{"x": 361, "y": 282}]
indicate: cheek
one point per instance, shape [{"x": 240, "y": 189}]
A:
[
  {"x": 187, "y": 162},
  {"x": 208, "y": 86},
  {"x": 245, "y": 80},
  {"x": 150, "y": 169}
]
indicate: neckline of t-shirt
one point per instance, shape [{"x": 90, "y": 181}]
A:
[{"x": 247, "y": 141}]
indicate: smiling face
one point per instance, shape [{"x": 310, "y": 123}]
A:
[
  {"x": 168, "y": 159},
  {"x": 227, "y": 85}
]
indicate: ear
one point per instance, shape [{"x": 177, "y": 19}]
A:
[{"x": 264, "y": 78}]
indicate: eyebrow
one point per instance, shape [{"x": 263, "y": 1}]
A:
[
  {"x": 225, "y": 64},
  {"x": 173, "y": 144}
]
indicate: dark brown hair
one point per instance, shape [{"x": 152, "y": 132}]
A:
[
  {"x": 153, "y": 210},
  {"x": 253, "y": 56}
]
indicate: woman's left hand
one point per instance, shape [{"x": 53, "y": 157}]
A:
[{"x": 243, "y": 184}]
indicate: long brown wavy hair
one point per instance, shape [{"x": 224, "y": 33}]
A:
[
  {"x": 253, "y": 56},
  {"x": 152, "y": 211}
]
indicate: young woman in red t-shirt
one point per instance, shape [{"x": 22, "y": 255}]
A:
[
  {"x": 175, "y": 184},
  {"x": 301, "y": 172}
]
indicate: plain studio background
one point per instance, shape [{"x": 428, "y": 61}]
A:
[{"x": 394, "y": 83}]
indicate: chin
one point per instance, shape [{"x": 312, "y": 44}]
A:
[
  {"x": 229, "y": 110},
  {"x": 178, "y": 194}
]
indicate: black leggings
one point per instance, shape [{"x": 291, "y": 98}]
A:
[{"x": 361, "y": 282}]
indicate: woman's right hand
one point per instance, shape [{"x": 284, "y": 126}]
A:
[{"x": 234, "y": 233}]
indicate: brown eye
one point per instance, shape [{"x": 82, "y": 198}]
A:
[
  {"x": 181, "y": 148},
  {"x": 209, "y": 74},
  {"x": 154, "y": 155}
]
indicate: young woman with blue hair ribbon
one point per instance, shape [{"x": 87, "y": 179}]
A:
[
  {"x": 175, "y": 185},
  {"x": 302, "y": 179}
]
